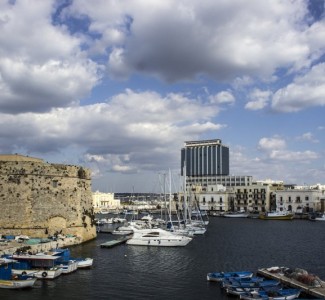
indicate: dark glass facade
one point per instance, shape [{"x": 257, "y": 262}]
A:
[{"x": 205, "y": 158}]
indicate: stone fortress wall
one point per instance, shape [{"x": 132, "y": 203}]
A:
[{"x": 39, "y": 199}]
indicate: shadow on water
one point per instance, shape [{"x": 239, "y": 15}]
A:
[{"x": 133, "y": 272}]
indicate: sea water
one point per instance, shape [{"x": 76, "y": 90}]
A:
[{"x": 144, "y": 272}]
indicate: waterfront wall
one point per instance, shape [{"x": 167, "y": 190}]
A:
[{"x": 39, "y": 199}]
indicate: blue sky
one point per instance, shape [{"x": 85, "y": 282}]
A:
[{"x": 119, "y": 86}]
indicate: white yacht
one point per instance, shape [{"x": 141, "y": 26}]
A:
[{"x": 157, "y": 237}]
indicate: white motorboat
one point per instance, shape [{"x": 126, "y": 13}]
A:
[
  {"x": 84, "y": 263},
  {"x": 157, "y": 237}
]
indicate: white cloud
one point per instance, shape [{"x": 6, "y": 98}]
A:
[
  {"x": 41, "y": 66},
  {"x": 132, "y": 131},
  {"x": 270, "y": 144},
  {"x": 308, "y": 136},
  {"x": 306, "y": 91},
  {"x": 224, "y": 40},
  {"x": 258, "y": 99},
  {"x": 223, "y": 97}
]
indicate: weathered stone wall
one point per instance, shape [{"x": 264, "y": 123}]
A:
[{"x": 39, "y": 199}]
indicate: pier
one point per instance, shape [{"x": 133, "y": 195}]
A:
[
  {"x": 277, "y": 274},
  {"x": 116, "y": 242}
]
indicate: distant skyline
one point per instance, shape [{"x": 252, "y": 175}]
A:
[{"x": 119, "y": 86}]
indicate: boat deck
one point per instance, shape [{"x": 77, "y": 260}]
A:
[
  {"x": 307, "y": 289},
  {"x": 112, "y": 243}
]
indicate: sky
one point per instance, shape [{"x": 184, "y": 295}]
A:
[{"x": 118, "y": 86}]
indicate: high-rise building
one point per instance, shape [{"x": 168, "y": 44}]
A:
[
  {"x": 206, "y": 163},
  {"x": 205, "y": 158}
]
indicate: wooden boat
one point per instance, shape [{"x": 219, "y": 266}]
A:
[
  {"x": 277, "y": 215},
  {"x": 282, "y": 294},
  {"x": 251, "y": 282},
  {"x": 238, "y": 214},
  {"x": 42, "y": 266},
  {"x": 240, "y": 290},
  {"x": 219, "y": 276},
  {"x": 8, "y": 281}
]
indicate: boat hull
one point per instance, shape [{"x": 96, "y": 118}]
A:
[
  {"x": 17, "y": 284},
  {"x": 160, "y": 242},
  {"x": 40, "y": 274}
]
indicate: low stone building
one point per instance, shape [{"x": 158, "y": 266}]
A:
[{"x": 39, "y": 199}]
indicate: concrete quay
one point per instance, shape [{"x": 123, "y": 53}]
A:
[
  {"x": 14, "y": 246},
  {"x": 316, "y": 291}
]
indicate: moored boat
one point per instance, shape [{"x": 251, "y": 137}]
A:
[
  {"x": 238, "y": 214},
  {"x": 157, "y": 237},
  {"x": 281, "y": 294},
  {"x": 277, "y": 215},
  {"x": 42, "y": 266},
  {"x": 219, "y": 276},
  {"x": 84, "y": 263},
  {"x": 10, "y": 281}
]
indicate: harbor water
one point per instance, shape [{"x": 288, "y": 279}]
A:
[{"x": 142, "y": 272}]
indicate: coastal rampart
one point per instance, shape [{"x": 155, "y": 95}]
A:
[{"x": 39, "y": 199}]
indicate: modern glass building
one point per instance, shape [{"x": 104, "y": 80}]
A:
[
  {"x": 205, "y": 158},
  {"x": 207, "y": 163}
]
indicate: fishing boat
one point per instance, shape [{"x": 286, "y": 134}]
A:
[
  {"x": 65, "y": 262},
  {"x": 9, "y": 281},
  {"x": 219, "y": 276},
  {"x": 240, "y": 290},
  {"x": 281, "y": 294},
  {"x": 256, "y": 284},
  {"x": 42, "y": 266},
  {"x": 241, "y": 281},
  {"x": 157, "y": 237},
  {"x": 239, "y": 214},
  {"x": 277, "y": 215}
]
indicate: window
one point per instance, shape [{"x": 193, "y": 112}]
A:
[
  {"x": 212, "y": 200},
  {"x": 306, "y": 198},
  {"x": 55, "y": 183}
]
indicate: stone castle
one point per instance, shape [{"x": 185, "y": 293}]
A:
[{"x": 39, "y": 199}]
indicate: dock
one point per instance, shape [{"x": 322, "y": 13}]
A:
[
  {"x": 317, "y": 290},
  {"x": 112, "y": 243}
]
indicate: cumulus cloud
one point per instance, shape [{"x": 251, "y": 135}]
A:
[
  {"x": 308, "y": 136},
  {"x": 275, "y": 143},
  {"x": 224, "y": 40},
  {"x": 305, "y": 91},
  {"x": 223, "y": 97},
  {"x": 258, "y": 99},
  {"x": 131, "y": 131},
  {"x": 41, "y": 66},
  {"x": 275, "y": 149}
]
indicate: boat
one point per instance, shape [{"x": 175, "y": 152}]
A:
[
  {"x": 255, "y": 284},
  {"x": 236, "y": 281},
  {"x": 84, "y": 263},
  {"x": 320, "y": 217},
  {"x": 239, "y": 214},
  {"x": 281, "y": 294},
  {"x": 10, "y": 281},
  {"x": 42, "y": 266},
  {"x": 157, "y": 237},
  {"x": 219, "y": 276},
  {"x": 240, "y": 290},
  {"x": 64, "y": 262},
  {"x": 277, "y": 215}
]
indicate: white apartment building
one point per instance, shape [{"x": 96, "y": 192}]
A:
[
  {"x": 105, "y": 200},
  {"x": 301, "y": 199},
  {"x": 215, "y": 198}
]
